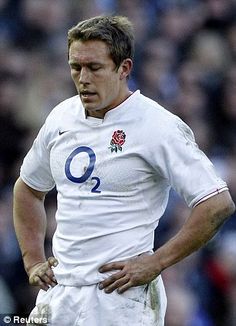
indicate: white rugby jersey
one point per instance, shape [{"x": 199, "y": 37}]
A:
[{"x": 113, "y": 178}]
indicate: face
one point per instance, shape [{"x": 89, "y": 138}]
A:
[{"x": 100, "y": 85}]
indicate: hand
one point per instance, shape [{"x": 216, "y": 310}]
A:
[
  {"x": 133, "y": 272},
  {"x": 42, "y": 274}
]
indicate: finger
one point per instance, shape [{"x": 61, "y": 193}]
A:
[
  {"x": 117, "y": 284},
  {"x": 111, "y": 279},
  {"x": 36, "y": 281},
  {"x": 45, "y": 279},
  {"x": 44, "y": 287},
  {"x": 50, "y": 274},
  {"x": 124, "y": 287},
  {"x": 52, "y": 277},
  {"x": 52, "y": 261},
  {"x": 46, "y": 276},
  {"x": 111, "y": 266}
]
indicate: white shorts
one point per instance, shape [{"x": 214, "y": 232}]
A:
[{"x": 88, "y": 306}]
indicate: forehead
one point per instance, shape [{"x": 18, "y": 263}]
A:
[{"x": 87, "y": 51}]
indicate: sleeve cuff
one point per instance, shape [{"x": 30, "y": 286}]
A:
[{"x": 216, "y": 192}]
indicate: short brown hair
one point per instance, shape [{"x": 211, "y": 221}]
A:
[{"x": 115, "y": 31}]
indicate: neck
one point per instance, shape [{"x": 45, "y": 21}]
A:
[{"x": 100, "y": 114}]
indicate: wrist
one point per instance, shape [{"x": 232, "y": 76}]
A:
[
  {"x": 159, "y": 263},
  {"x": 30, "y": 262}
]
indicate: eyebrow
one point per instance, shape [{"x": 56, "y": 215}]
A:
[{"x": 75, "y": 63}]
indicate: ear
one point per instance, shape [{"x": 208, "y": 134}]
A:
[{"x": 125, "y": 68}]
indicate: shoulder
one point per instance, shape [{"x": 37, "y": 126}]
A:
[
  {"x": 62, "y": 116},
  {"x": 68, "y": 107},
  {"x": 155, "y": 117}
]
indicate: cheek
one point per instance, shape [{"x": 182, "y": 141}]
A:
[
  {"x": 112, "y": 87},
  {"x": 74, "y": 76},
  {"x": 110, "y": 93}
]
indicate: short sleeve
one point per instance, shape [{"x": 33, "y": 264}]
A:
[
  {"x": 35, "y": 170},
  {"x": 188, "y": 170}
]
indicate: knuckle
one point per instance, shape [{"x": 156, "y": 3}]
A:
[
  {"x": 51, "y": 258},
  {"x": 113, "y": 278},
  {"x": 41, "y": 273},
  {"x": 132, "y": 281},
  {"x": 128, "y": 276},
  {"x": 122, "y": 273},
  {"x": 34, "y": 280},
  {"x": 49, "y": 272}
]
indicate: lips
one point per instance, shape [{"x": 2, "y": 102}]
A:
[{"x": 87, "y": 94}]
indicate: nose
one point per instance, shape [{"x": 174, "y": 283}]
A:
[{"x": 84, "y": 76}]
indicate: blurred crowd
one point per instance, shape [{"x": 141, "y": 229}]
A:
[{"x": 186, "y": 60}]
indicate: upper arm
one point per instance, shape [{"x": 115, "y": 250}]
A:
[
  {"x": 178, "y": 159},
  {"x": 218, "y": 207},
  {"x": 36, "y": 168},
  {"x": 21, "y": 189}
]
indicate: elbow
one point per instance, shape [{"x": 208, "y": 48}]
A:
[
  {"x": 230, "y": 208},
  {"x": 224, "y": 207}
]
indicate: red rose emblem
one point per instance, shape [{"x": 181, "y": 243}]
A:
[
  {"x": 117, "y": 140},
  {"x": 118, "y": 137}
]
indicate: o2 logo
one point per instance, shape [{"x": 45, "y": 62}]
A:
[{"x": 88, "y": 171}]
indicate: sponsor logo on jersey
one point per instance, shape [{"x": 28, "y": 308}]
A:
[{"x": 62, "y": 132}]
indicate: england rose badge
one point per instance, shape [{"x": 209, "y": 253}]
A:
[{"x": 117, "y": 141}]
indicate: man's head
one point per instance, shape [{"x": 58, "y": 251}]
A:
[
  {"x": 101, "y": 50},
  {"x": 115, "y": 31}
]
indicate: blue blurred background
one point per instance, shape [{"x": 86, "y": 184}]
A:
[{"x": 186, "y": 60}]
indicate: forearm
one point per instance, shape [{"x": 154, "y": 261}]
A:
[
  {"x": 30, "y": 223},
  {"x": 203, "y": 223},
  {"x": 200, "y": 227}
]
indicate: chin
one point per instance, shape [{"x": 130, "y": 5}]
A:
[{"x": 89, "y": 109}]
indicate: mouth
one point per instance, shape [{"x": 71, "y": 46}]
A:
[{"x": 86, "y": 95}]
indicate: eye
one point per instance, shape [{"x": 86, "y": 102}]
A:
[
  {"x": 95, "y": 67},
  {"x": 75, "y": 67}
]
